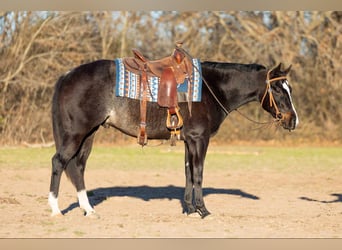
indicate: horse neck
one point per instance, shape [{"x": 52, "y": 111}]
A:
[{"x": 237, "y": 88}]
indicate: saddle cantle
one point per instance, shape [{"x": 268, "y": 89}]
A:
[{"x": 172, "y": 71}]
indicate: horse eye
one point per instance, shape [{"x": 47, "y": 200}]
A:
[{"x": 276, "y": 89}]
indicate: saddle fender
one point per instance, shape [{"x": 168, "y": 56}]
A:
[
  {"x": 167, "y": 97},
  {"x": 167, "y": 90}
]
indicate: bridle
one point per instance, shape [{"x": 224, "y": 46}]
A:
[{"x": 270, "y": 93}]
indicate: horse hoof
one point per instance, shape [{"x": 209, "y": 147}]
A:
[
  {"x": 56, "y": 214},
  {"x": 92, "y": 215},
  {"x": 190, "y": 209},
  {"x": 193, "y": 215},
  {"x": 203, "y": 212},
  {"x": 205, "y": 215}
]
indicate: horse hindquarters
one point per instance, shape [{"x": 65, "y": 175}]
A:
[{"x": 79, "y": 107}]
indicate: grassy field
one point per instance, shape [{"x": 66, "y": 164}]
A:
[{"x": 293, "y": 159}]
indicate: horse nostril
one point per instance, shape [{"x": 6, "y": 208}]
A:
[{"x": 279, "y": 116}]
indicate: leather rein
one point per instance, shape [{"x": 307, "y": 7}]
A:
[
  {"x": 268, "y": 90},
  {"x": 272, "y": 102}
]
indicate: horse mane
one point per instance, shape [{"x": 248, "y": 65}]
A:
[{"x": 235, "y": 66}]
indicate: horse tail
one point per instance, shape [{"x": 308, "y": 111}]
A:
[{"x": 56, "y": 113}]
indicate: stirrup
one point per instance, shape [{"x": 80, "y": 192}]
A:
[{"x": 174, "y": 121}]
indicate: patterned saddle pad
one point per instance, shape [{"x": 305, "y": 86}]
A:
[{"x": 128, "y": 84}]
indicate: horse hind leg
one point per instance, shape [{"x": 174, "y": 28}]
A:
[
  {"x": 60, "y": 161},
  {"x": 57, "y": 170},
  {"x": 75, "y": 172}
]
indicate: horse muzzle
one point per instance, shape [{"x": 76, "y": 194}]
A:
[{"x": 288, "y": 120}]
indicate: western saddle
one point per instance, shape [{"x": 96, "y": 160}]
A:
[{"x": 171, "y": 70}]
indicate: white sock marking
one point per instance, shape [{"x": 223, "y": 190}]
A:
[
  {"x": 84, "y": 202},
  {"x": 53, "y": 202}
]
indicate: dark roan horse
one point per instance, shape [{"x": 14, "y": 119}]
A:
[{"x": 85, "y": 99}]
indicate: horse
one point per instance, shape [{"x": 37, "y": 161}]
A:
[{"x": 84, "y": 99}]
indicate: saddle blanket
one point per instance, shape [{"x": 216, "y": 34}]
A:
[{"x": 128, "y": 84}]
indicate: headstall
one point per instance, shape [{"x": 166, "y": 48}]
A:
[{"x": 270, "y": 94}]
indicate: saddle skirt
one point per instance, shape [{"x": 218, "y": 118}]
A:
[{"x": 128, "y": 83}]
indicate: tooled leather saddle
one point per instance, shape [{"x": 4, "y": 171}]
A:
[{"x": 172, "y": 71}]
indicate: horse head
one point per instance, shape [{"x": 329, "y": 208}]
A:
[{"x": 277, "y": 98}]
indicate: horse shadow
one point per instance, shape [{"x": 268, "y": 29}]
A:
[
  {"x": 146, "y": 193},
  {"x": 338, "y": 199}
]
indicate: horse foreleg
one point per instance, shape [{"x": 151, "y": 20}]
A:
[
  {"x": 196, "y": 154},
  {"x": 198, "y": 178},
  {"x": 189, "y": 207}
]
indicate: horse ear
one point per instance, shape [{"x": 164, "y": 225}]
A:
[
  {"x": 286, "y": 71},
  {"x": 275, "y": 70},
  {"x": 278, "y": 68}
]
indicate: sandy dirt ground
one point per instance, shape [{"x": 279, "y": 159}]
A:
[{"x": 148, "y": 204}]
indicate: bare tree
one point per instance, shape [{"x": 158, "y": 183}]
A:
[{"x": 37, "y": 47}]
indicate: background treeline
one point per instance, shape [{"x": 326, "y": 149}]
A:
[{"x": 37, "y": 47}]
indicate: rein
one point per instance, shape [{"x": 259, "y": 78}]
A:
[
  {"x": 272, "y": 102},
  {"x": 267, "y": 90},
  {"x": 205, "y": 81}
]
